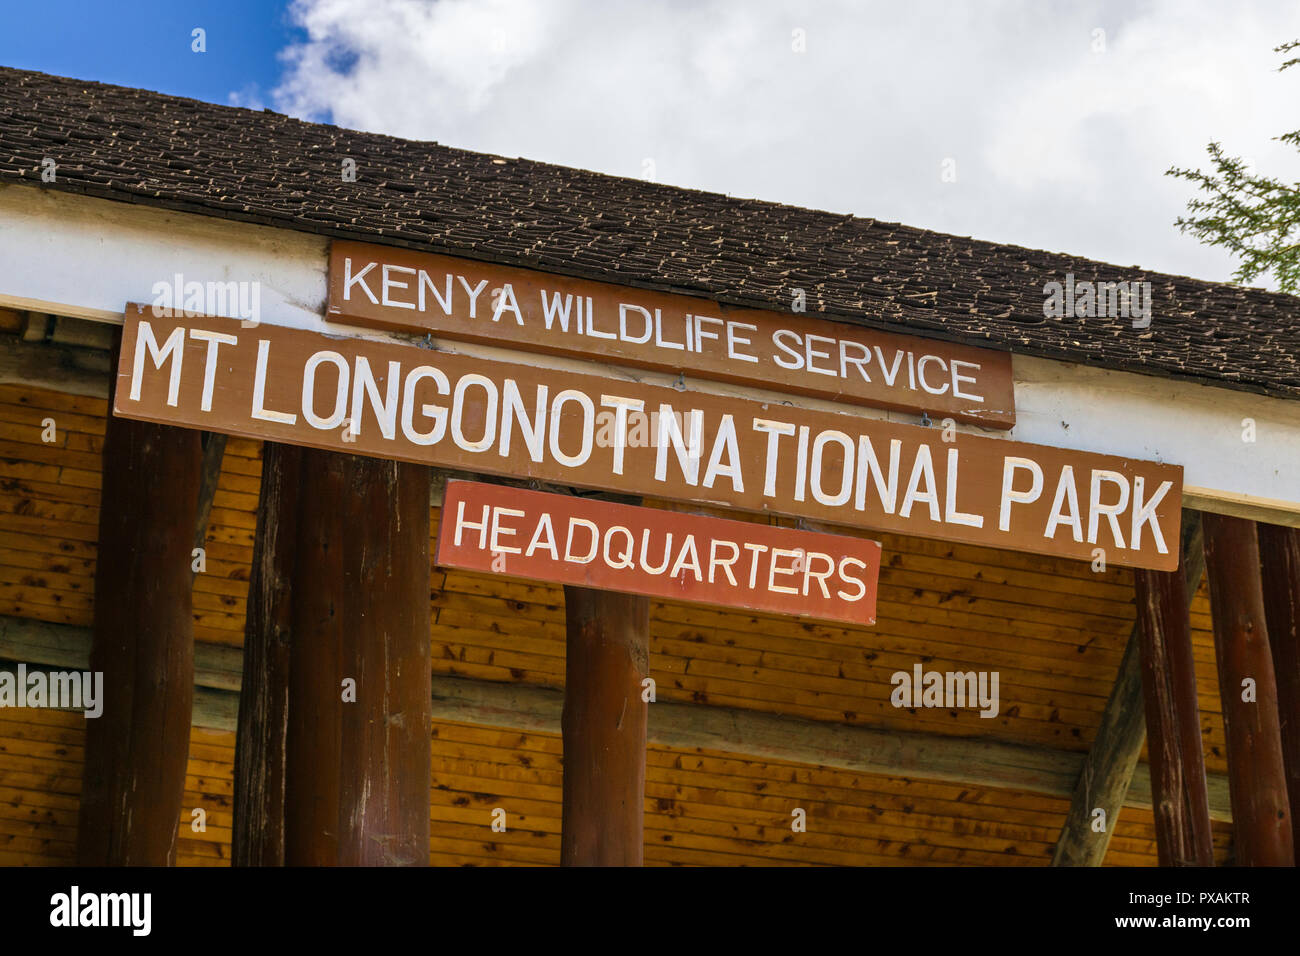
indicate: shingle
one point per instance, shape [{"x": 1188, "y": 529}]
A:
[{"x": 257, "y": 166}]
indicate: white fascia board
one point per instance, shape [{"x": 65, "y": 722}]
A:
[
  {"x": 1240, "y": 452},
  {"x": 87, "y": 258},
  {"x": 82, "y": 257}
]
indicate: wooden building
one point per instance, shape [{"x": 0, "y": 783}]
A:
[{"x": 234, "y": 590}]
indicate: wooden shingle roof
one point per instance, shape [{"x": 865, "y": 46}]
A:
[{"x": 137, "y": 146}]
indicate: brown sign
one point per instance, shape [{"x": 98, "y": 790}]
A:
[
  {"x": 399, "y": 290},
  {"x": 472, "y": 414},
  {"x": 678, "y": 557}
]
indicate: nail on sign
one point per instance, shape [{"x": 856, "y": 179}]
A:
[
  {"x": 479, "y": 415},
  {"x": 406, "y": 291},
  {"x": 561, "y": 539}
]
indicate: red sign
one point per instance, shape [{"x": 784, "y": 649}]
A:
[{"x": 664, "y": 554}]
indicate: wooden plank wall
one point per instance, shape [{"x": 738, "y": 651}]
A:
[
  {"x": 701, "y": 808},
  {"x": 1053, "y": 629}
]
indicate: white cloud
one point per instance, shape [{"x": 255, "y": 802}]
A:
[
  {"x": 249, "y": 97},
  {"x": 1056, "y": 146}
]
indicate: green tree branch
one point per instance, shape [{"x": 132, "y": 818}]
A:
[{"x": 1256, "y": 218}]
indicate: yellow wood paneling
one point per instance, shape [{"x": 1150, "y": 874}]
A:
[
  {"x": 701, "y": 808},
  {"x": 1054, "y": 631}
]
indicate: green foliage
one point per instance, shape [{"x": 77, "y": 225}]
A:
[{"x": 1257, "y": 218}]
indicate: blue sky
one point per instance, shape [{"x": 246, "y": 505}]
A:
[
  {"x": 1039, "y": 123},
  {"x": 146, "y": 43}
]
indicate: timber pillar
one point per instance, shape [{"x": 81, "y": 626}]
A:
[
  {"x": 349, "y": 660},
  {"x": 604, "y": 728},
  {"x": 1180, "y": 799},
  {"x": 1247, "y": 685},
  {"x": 143, "y": 643},
  {"x": 1104, "y": 781},
  {"x": 1279, "y": 553},
  {"x": 260, "y": 740}
]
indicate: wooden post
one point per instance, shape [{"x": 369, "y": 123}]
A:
[
  {"x": 1108, "y": 769},
  {"x": 133, "y": 780},
  {"x": 1181, "y": 802},
  {"x": 604, "y": 728},
  {"x": 1279, "y": 553},
  {"x": 358, "y": 751},
  {"x": 214, "y": 450},
  {"x": 1257, "y": 776},
  {"x": 258, "y": 835}
]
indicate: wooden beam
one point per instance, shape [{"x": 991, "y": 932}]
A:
[
  {"x": 80, "y": 333},
  {"x": 136, "y": 753},
  {"x": 1279, "y": 553},
  {"x": 607, "y": 656},
  {"x": 63, "y": 645},
  {"x": 359, "y": 725},
  {"x": 1173, "y": 720},
  {"x": 969, "y": 761},
  {"x": 1108, "y": 772},
  {"x": 59, "y": 369},
  {"x": 1256, "y": 771},
  {"x": 214, "y": 450},
  {"x": 259, "y": 774}
]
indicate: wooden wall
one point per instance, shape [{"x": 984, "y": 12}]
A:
[{"x": 1053, "y": 629}]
